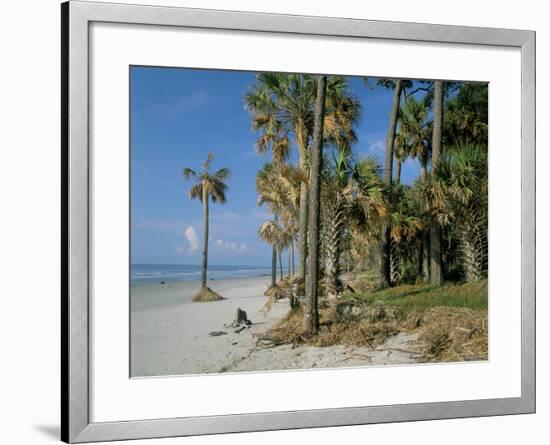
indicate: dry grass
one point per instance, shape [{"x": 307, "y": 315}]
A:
[
  {"x": 205, "y": 294},
  {"x": 450, "y": 334},
  {"x": 360, "y": 332},
  {"x": 448, "y": 330}
]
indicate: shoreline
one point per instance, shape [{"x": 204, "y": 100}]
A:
[{"x": 170, "y": 335}]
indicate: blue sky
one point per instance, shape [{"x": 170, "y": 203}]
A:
[{"x": 177, "y": 117}]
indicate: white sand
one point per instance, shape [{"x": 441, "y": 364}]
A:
[{"x": 170, "y": 335}]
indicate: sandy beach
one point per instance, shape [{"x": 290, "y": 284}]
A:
[{"x": 170, "y": 335}]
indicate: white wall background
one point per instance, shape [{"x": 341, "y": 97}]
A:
[{"x": 29, "y": 221}]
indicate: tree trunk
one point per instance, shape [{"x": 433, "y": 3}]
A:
[
  {"x": 274, "y": 267},
  {"x": 302, "y": 141},
  {"x": 292, "y": 249},
  {"x": 280, "y": 264},
  {"x": 423, "y": 167},
  {"x": 388, "y": 169},
  {"x": 332, "y": 242},
  {"x": 398, "y": 171},
  {"x": 436, "y": 268},
  {"x": 205, "y": 199},
  {"x": 426, "y": 256},
  {"x": 312, "y": 310}
]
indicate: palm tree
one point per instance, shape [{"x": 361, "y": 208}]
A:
[
  {"x": 208, "y": 186},
  {"x": 436, "y": 267},
  {"x": 401, "y": 154},
  {"x": 276, "y": 186},
  {"x": 466, "y": 115},
  {"x": 388, "y": 169},
  {"x": 350, "y": 187},
  {"x": 281, "y": 104},
  {"x": 289, "y": 98},
  {"x": 271, "y": 232},
  {"x": 414, "y": 127},
  {"x": 405, "y": 229},
  {"x": 455, "y": 196},
  {"x": 312, "y": 311}
]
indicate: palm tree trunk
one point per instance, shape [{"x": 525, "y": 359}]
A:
[
  {"x": 292, "y": 249},
  {"x": 398, "y": 171},
  {"x": 288, "y": 270},
  {"x": 205, "y": 199},
  {"x": 436, "y": 268},
  {"x": 426, "y": 256},
  {"x": 274, "y": 267},
  {"x": 302, "y": 141},
  {"x": 332, "y": 241},
  {"x": 280, "y": 264},
  {"x": 312, "y": 310},
  {"x": 423, "y": 167},
  {"x": 388, "y": 169}
]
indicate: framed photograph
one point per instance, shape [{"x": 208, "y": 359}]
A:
[{"x": 277, "y": 222}]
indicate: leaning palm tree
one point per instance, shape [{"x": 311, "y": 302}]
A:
[{"x": 209, "y": 186}]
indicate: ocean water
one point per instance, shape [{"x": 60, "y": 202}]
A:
[{"x": 142, "y": 273}]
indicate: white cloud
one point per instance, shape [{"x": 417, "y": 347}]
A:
[
  {"x": 231, "y": 246},
  {"x": 197, "y": 100},
  {"x": 191, "y": 235},
  {"x": 376, "y": 145}
]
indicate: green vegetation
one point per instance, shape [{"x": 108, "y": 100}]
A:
[
  {"x": 346, "y": 212},
  {"x": 410, "y": 297}
]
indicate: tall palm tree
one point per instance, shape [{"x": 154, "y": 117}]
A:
[
  {"x": 282, "y": 104},
  {"x": 276, "y": 187},
  {"x": 415, "y": 126},
  {"x": 388, "y": 169},
  {"x": 289, "y": 98},
  {"x": 208, "y": 186},
  {"x": 311, "y": 320},
  {"x": 436, "y": 267}
]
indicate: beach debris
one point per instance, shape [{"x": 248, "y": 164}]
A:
[
  {"x": 240, "y": 323},
  {"x": 217, "y": 333},
  {"x": 205, "y": 294},
  {"x": 241, "y": 318},
  {"x": 162, "y": 282}
]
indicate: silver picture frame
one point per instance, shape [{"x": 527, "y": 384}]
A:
[{"x": 75, "y": 361}]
